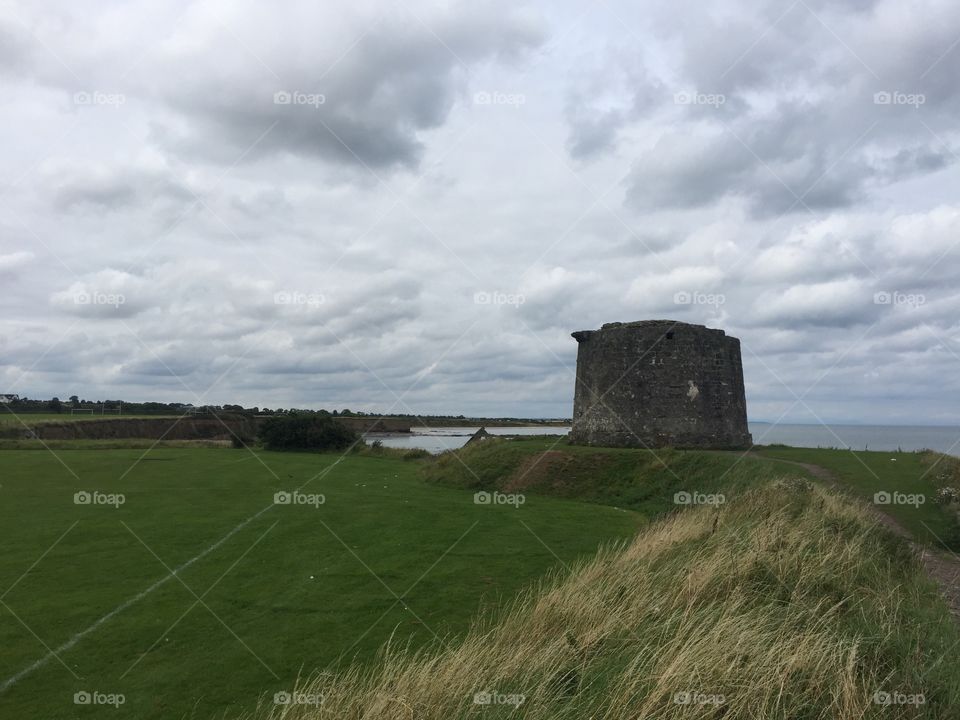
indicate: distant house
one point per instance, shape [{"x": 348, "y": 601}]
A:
[{"x": 6, "y": 399}]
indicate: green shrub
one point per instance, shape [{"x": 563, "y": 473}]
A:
[{"x": 306, "y": 432}]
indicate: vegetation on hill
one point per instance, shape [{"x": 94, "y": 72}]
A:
[
  {"x": 306, "y": 432},
  {"x": 645, "y": 481},
  {"x": 785, "y": 602},
  {"x": 920, "y": 490}
]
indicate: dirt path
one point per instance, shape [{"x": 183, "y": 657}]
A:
[{"x": 944, "y": 568}]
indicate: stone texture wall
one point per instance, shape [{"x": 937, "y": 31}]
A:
[{"x": 659, "y": 383}]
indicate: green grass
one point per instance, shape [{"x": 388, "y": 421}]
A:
[
  {"x": 297, "y": 590},
  {"x": 645, "y": 481},
  {"x": 785, "y": 599},
  {"x": 866, "y": 473},
  {"x": 785, "y": 603},
  {"x": 8, "y": 418},
  {"x": 110, "y": 444}
]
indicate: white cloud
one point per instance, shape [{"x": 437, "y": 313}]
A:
[{"x": 381, "y": 212}]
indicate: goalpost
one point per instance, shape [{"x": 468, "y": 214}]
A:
[{"x": 98, "y": 410}]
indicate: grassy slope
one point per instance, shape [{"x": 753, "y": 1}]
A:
[
  {"x": 644, "y": 481},
  {"x": 19, "y": 419},
  {"x": 786, "y": 602},
  {"x": 180, "y": 501},
  {"x": 867, "y": 473}
]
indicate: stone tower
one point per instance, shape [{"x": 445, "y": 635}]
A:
[{"x": 658, "y": 383}]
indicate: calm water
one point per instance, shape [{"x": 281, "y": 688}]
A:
[
  {"x": 856, "y": 437},
  {"x": 860, "y": 437},
  {"x": 438, "y": 439}
]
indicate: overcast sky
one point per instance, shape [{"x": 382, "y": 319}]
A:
[{"x": 409, "y": 206}]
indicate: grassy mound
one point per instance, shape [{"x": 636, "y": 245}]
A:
[
  {"x": 645, "y": 481},
  {"x": 784, "y": 603}
]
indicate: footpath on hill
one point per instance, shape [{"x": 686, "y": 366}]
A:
[{"x": 943, "y": 567}]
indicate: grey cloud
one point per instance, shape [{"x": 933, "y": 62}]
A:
[
  {"x": 799, "y": 114},
  {"x": 114, "y": 189},
  {"x": 688, "y": 208},
  {"x": 371, "y": 102}
]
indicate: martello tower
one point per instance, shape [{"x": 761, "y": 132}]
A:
[{"x": 658, "y": 383}]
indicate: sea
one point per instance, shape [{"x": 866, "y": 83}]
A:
[{"x": 854, "y": 437}]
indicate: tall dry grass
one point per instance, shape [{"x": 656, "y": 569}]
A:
[{"x": 783, "y": 603}]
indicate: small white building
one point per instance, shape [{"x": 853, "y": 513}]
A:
[{"x": 6, "y": 399}]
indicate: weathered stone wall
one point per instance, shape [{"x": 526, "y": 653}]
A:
[{"x": 659, "y": 383}]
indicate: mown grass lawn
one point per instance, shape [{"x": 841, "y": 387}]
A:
[
  {"x": 297, "y": 589},
  {"x": 8, "y": 418}
]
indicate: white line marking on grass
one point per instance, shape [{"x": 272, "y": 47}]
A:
[{"x": 13, "y": 680}]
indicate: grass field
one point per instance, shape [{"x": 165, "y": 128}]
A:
[
  {"x": 784, "y": 601},
  {"x": 640, "y": 480},
  {"x": 19, "y": 419},
  {"x": 297, "y": 589},
  {"x": 867, "y": 473}
]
